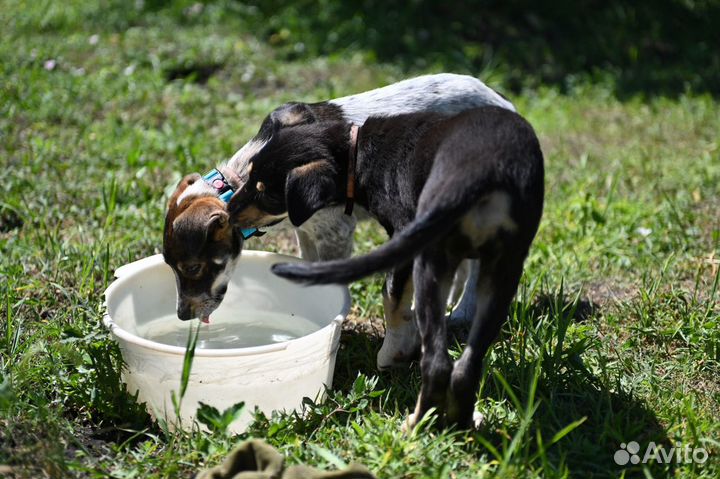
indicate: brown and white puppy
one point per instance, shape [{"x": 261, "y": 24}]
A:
[
  {"x": 202, "y": 272},
  {"x": 200, "y": 246},
  {"x": 446, "y": 188}
]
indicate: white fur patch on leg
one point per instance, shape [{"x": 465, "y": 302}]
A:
[
  {"x": 478, "y": 419},
  {"x": 308, "y": 251},
  {"x": 458, "y": 284},
  {"x": 330, "y": 231},
  {"x": 402, "y": 338},
  {"x": 400, "y": 343},
  {"x": 408, "y": 424}
]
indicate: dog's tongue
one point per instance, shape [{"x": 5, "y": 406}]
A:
[{"x": 205, "y": 319}]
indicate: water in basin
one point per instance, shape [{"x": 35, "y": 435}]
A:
[{"x": 235, "y": 330}]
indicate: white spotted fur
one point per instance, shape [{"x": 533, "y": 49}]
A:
[{"x": 443, "y": 93}]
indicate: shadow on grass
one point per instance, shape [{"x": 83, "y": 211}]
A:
[
  {"x": 637, "y": 46},
  {"x": 566, "y": 390},
  {"x": 612, "y": 417},
  {"x": 642, "y": 46},
  {"x": 357, "y": 356}
]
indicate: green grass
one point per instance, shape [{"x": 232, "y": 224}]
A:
[{"x": 614, "y": 336}]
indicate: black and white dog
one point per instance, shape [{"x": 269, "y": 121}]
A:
[
  {"x": 446, "y": 188},
  {"x": 202, "y": 246}
]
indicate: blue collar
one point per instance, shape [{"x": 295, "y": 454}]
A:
[{"x": 224, "y": 191}]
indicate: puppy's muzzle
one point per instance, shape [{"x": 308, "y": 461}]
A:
[{"x": 185, "y": 310}]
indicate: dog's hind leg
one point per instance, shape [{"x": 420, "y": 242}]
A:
[
  {"x": 402, "y": 342},
  {"x": 463, "y": 296},
  {"x": 432, "y": 275},
  {"x": 496, "y": 287},
  {"x": 458, "y": 284}
]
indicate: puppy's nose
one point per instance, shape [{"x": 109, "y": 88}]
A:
[{"x": 185, "y": 311}]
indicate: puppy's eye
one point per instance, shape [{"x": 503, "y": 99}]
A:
[{"x": 192, "y": 269}]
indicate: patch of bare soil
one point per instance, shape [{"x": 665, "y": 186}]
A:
[
  {"x": 608, "y": 291},
  {"x": 372, "y": 326}
]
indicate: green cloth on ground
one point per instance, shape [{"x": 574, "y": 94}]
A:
[{"x": 255, "y": 459}]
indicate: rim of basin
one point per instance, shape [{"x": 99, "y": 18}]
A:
[{"x": 125, "y": 274}]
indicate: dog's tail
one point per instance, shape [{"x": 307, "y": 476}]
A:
[{"x": 401, "y": 248}]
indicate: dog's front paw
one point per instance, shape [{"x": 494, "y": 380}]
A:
[
  {"x": 478, "y": 419},
  {"x": 400, "y": 346},
  {"x": 408, "y": 424},
  {"x": 387, "y": 360}
]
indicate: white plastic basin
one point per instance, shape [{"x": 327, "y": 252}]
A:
[{"x": 275, "y": 376}]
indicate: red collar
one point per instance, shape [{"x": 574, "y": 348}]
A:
[{"x": 352, "y": 159}]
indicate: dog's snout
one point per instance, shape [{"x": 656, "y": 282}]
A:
[{"x": 185, "y": 311}]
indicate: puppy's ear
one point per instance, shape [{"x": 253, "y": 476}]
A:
[
  {"x": 200, "y": 223},
  {"x": 217, "y": 226},
  {"x": 292, "y": 114},
  {"x": 309, "y": 188}
]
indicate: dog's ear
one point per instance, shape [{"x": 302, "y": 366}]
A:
[
  {"x": 289, "y": 114},
  {"x": 200, "y": 223},
  {"x": 309, "y": 188},
  {"x": 292, "y": 114},
  {"x": 217, "y": 226}
]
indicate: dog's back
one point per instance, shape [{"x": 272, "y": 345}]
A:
[{"x": 446, "y": 93}]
